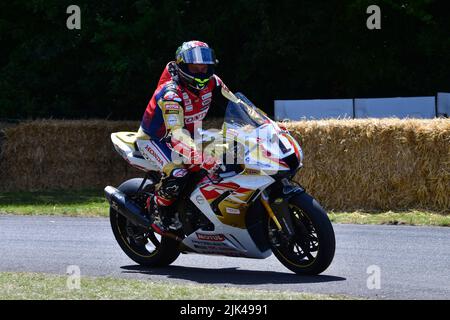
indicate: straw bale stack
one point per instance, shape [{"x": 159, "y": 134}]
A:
[
  {"x": 55, "y": 154},
  {"x": 376, "y": 164},
  {"x": 370, "y": 164}
]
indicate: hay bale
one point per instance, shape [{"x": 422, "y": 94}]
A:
[
  {"x": 376, "y": 164},
  {"x": 51, "y": 154},
  {"x": 368, "y": 164}
]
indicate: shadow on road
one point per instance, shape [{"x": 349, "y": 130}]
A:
[{"x": 228, "y": 275}]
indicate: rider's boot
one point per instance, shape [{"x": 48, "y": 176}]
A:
[
  {"x": 173, "y": 181},
  {"x": 166, "y": 218}
]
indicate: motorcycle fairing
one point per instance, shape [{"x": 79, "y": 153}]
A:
[
  {"x": 265, "y": 143},
  {"x": 229, "y": 201},
  {"x": 124, "y": 144},
  {"x": 235, "y": 241}
]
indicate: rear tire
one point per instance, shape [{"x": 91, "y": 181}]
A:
[
  {"x": 314, "y": 236},
  {"x": 165, "y": 250}
]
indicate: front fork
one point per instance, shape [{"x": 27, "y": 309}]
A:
[{"x": 278, "y": 209}]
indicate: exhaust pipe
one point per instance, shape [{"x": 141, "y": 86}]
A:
[{"x": 122, "y": 204}]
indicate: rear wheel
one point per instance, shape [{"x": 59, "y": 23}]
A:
[
  {"x": 312, "y": 248},
  {"x": 140, "y": 244}
]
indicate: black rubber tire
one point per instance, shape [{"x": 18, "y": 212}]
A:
[
  {"x": 167, "y": 251},
  {"x": 325, "y": 234}
]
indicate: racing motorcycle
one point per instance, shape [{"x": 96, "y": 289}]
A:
[{"x": 249, "y": 207}]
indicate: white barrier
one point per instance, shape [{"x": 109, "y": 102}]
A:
[
  {"x": 443, "y": 104},
  {"x": 411, "y": 107},
  {"x": 313, "y": 109}
]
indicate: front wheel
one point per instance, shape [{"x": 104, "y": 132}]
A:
[{"x": 312, "y": 248}]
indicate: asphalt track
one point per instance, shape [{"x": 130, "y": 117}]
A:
[{"x": 412, "y": 262}]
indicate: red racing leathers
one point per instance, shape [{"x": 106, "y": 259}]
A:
[{"x": 171, "y": 109}]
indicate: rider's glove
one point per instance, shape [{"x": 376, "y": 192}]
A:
[{"x": 205, "y": 162}]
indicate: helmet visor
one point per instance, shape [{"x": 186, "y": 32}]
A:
[{"x": 198, "y": 55}]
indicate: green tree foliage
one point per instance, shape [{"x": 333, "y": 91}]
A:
[{"x": 267, "y": 49}]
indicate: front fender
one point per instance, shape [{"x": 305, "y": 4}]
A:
[{"x": 284, "y": 189}]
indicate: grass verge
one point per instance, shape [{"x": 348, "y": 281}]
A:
[
  {"x": 92, "y": 203},
  {"x": 80, "y": 203},
  {"x": 37, "y": 286},
  {"x": 411, "y": 217}
]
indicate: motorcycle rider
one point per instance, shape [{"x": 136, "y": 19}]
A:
[{"x": 185, "y": 92}]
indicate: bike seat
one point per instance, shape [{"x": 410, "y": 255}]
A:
[
  {"x": 127, "y": 137},
  {"x": 130, "y": 139}
]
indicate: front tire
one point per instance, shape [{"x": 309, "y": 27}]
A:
[
  {"x": 141, "y": 245},
  {"x": 312, "y": 249}
]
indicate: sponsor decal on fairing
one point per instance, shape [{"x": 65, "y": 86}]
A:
[
  {"x": 210, "y": 237},
  {"x": 200, "y": 199},
  {"x": 153, "y": 154},
  {"x": 233, "y": 210}
]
